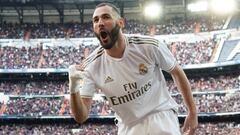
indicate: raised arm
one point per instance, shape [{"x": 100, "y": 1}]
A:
[{"x": 80, "y": 106}]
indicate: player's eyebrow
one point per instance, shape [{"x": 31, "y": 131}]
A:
[{"x": 102, "y": 15}]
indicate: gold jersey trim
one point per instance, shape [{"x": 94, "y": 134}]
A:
[
  {"x": 92, "y": 57},
  {"x": 143, "y": 40}
]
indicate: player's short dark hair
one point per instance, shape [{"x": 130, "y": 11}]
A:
[{"x": 110, "y": 5}]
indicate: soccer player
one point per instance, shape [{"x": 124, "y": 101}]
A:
[{"x": 128, "y": 70}]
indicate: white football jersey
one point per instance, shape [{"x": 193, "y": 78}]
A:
[{"x": 134, "y": 84}]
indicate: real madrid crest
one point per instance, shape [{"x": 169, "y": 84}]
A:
[{"x": 142, "y": 69}]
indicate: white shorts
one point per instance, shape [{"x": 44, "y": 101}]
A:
[{"x": 160, "y": 123}]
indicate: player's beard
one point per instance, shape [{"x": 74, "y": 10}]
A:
[{"x": 113, "y": 36}]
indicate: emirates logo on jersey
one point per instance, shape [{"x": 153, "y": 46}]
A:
[{"x": 142, "y": 69}]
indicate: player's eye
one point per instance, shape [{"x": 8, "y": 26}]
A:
[
  {"x": 105, "y": 17},
  {"x": 95, "y": 20}
]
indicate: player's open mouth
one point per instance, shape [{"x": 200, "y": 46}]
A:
[{"x": 104, "y": 35}]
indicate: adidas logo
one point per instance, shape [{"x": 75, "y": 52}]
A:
[{"x": 108, "y": 79}]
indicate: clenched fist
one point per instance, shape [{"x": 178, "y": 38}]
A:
[{"x": 75, "y": 75}]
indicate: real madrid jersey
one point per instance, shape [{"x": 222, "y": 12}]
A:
[{"x": 134, "y": 84}]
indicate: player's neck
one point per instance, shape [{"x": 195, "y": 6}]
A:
[{"x": 117, "y": 50}]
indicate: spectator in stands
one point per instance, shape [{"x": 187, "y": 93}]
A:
[{"x": 141, "y": 98}]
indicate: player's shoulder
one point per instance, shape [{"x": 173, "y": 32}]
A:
[
  {"x": 143, "y": 40},
  {"x": 93, "y": 57}
]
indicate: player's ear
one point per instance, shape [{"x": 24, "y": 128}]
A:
[{"x": 121, "y": 23}]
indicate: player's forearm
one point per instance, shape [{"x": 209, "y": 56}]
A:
[
  {"x": 78, "y": 108},
  {"x": 183, "y": 85}
]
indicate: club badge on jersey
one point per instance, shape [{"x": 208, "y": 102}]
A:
[{"x": 142, "y": 69}]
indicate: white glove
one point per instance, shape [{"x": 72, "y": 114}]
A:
[{"x": 75, "y": 76}]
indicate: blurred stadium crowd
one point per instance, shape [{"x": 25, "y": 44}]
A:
[
  {"x": 77, "y": 30},
  {"x": 104, "y": 129}
]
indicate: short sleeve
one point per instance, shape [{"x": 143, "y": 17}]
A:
[{"x": 164, "y": 58}]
